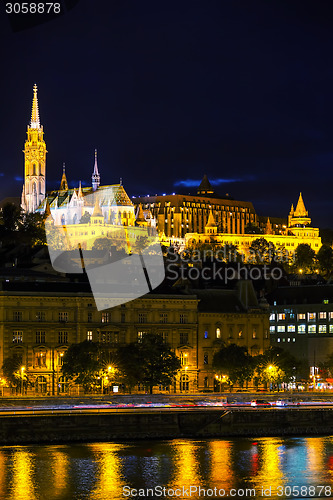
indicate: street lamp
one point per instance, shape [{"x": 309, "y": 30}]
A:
[{"x": 22, "y": 371}]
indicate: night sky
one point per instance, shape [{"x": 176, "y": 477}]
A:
[{"x": 170, "y": 90}]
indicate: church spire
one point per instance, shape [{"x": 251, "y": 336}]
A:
[
  {"x": 300, "y": 210},
  {"x": 95, "y": 176},
  {"x": 63, "y": 183},
  {"x": 35, "y": 112}
]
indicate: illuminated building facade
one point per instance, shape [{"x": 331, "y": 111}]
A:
[
  {"x": 301, "y": 322},
  {"x": 176, "y": 215},
  {"x": 67, "y": 206},
  {"x": 39, "y": 320},
  {"x": 33, "y": 192},
  {"x": 298, "y": 231}
]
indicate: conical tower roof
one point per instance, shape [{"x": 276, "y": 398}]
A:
[
  {"x": 300, "y": 210},
  {"x": 35, "y": 123},
  {"x": 140, "y": 215},
  {"x": 211, "y": 221},
  {"x": 63, "y": 183},
  {"x": 97, "y": 210},
  {"x": 205, "y": 186}
]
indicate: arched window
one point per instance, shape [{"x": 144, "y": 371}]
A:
[
  {"x": 218, "y": 333},
  {"x": 41, "y": 385}
]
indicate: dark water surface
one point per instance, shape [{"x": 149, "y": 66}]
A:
[{"x": 102, "y": 471}]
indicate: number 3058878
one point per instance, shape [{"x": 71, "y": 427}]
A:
[{"x": 33, "y": 8}]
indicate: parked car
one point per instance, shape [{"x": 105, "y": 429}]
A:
[{"x": 260, "y": 403}]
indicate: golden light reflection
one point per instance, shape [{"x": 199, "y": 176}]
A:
[
  {"x": 270, "y": 473},
  {"x": 60, "y": 467},
  {"x": 110, "y": 479},
  {"x": 3, "y": 479},
  {"x": 185, "y": 463},
  {"x": 220, "y": 460},
  {"x": 22, "y": 487},
  {"x": 315, "y": 454}
]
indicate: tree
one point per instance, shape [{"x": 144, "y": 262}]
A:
[
  {"x": 85, "y": 218},
  {"x": 234, "y": 361},
  {"x": 252, "y": 229},
  {"x": 276, "y": 366},
  {"x": 325, "y": 259},
  {"x": 12, "y": 370},
  {"x": 151, "y": 362},
  {"x": 304, "y": 257},
  {"x": 261, "y": 251},
  {"x": 82, "y": 363}
]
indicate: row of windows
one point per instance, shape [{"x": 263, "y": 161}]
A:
[
  {"x": 105, "y": 317},
  {"x": 301, "y": 329},
  {"x": 40, "y": 337},
  {"x": 240, "y": 333},
  {"x": 310, "y": 316}
]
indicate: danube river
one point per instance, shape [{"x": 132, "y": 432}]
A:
[{"x": 239, "y": 468}]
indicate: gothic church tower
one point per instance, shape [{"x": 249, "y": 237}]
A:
[{"x": 34, "y": 161}]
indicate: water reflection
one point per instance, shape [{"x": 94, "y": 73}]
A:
[{"x": 100, "y": 471}]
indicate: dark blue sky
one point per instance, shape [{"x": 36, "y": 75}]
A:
[{"x": 168, "y": 91}]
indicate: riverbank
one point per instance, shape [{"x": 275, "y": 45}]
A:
[{"x": 87, "y": 425}]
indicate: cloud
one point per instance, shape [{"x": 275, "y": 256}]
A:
[{"x": 214, "y": 182}]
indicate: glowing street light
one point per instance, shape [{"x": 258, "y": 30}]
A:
[{"x": 22, "y": 372}]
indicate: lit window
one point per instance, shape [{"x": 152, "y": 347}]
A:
[
  {"x": 322, "y": 328},
  {"x": 301, "y": 328},
  {"x": 281, "y": 329},
  {"x": 294, "y": 340},
  {"x": 279, "y": 340},
  {"x": 272, "y": 317},
  {"x": 184, "y": 358},
  {"x": 272, "y": 329},
  {"x": 254, "y": 333},
  {"x": 105, "y": 317},
  {"x": 40, "y": 359},
  {"x": 281, "y": 316},
  {"x": 89, "y": 335},
  {"x": 301, "y": 316},
  {"x": 140, "y": 336},
  {"x": 312, "y": 329},
  {"x": 218, "y": 333},
  {"x": 331, "y": 328},
  {"x": 330, "y": 315},
  {"x": 322, "y": 315},
  {"x": 17, "y": 337},
  {"x": 325, "y": 301},
  {"x": 291, "y": 328},
  {"x": 206, "y": 334},
  {"x": 311, "y": 316}
]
